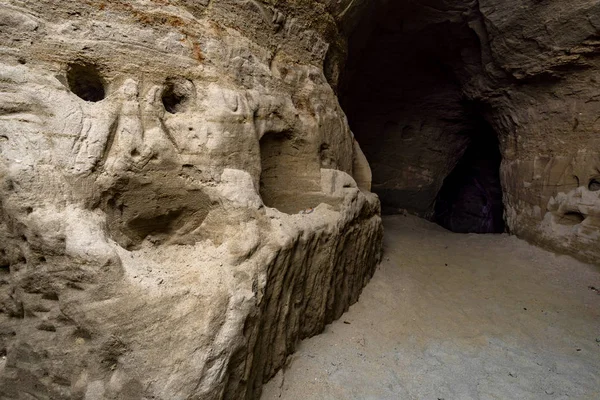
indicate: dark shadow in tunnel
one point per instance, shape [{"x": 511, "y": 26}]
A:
[
  {"x": 470, "y": 200},
  {"x": 407, "y": 89}
]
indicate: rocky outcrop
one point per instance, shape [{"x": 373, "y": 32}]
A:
[
  {"x": 178, "y": 205},
  {"x": 427, "y": 78}
]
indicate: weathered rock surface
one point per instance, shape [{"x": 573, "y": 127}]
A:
[
  {"x": 182, "y": 199},
  {"x": 422, "y": 76},
  {"x": 178, "y": 205}
]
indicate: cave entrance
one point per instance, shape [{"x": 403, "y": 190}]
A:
[
  {"x": 470, "y": 200},
  {"x": 408, "y": 88}
]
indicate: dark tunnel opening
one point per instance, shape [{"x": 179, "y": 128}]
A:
[
  {"x": 406, "y": 91},
  {"x": 470, "y": 200}
]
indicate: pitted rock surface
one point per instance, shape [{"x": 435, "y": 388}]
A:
[{"x": 157, "y": 162}]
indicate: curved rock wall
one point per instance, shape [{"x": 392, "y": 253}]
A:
[
  {"x": 137, "y": 257},
  {"x": 547, "y": 118},
  {"x": 182, "y": 199},
  {"x": 419, "y": 71}
]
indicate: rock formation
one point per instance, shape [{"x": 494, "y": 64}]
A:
[
  {"x": 178, "y": 206},
  {"x": 427, "y": 80},
  {"x": 182, "y": 198}
]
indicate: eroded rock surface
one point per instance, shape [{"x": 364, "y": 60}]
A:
[
  {"x": 178, "y": 205},
  {"x": 182, "y": 199},
  {"x": 421, "y": 73}
]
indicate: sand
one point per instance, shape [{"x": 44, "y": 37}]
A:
[{"x": 457, "y": 317}]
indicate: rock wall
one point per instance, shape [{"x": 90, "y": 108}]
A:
[
  {"x": 178, "y": 205},
  {"x": 547, "y": 119},
  {"x": 182, "y": 199},
  {"x": 418, "y": 72}
]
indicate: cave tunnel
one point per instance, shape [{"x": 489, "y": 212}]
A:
[
  {"x": 470, "y": 199},
  {"x": 431, "y": 147}
]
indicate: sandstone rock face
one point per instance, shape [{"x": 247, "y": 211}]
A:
[
  {"x": 181, "y": 197},
  {"x": 427, "y": 78},
  {"x": 548, "y": 122}
]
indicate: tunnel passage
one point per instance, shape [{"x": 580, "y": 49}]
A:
[
  {"x": 470, "y": 199},
  {"x": 405, "y": 89}
]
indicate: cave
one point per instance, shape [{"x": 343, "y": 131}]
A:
[
  {"x": 187, "y": 206},
  {"x": 407, "y": 91},
  {"x": 470, "y": 200}
]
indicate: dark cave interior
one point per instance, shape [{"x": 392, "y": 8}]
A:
[
  {"x": 430, "y": 146},
  {"x": 470, "y": 200}
]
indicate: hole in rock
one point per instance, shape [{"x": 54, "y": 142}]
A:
[
  {"x": 432, "y": 148},
  {"x": 572, "y": 218},
  {"x": 50, "y": 296},
  {"x": 163, "y": 210},
  {"x": 594, "y": 185},
  {"x": 4, "y": 269},
  {"x": 85, "y": 81},
  {"x": 470, "y": 199},
  {"x": 290, "y": 180},
  {"x": 177, "y": 95}
]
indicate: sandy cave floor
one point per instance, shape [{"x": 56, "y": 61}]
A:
[{"x": 457, "y": 317}]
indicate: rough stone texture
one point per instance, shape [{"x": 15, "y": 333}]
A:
[
  {"x": 419, "y": 75},
  {"x": 177, "y": 200},
  {"x": 182, "y": 199},
  {"x": 548, "y": 122}
]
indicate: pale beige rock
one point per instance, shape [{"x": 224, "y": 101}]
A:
[
  {"x": 182, "y": 199},
  {"x": 177, "y": 201}
]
